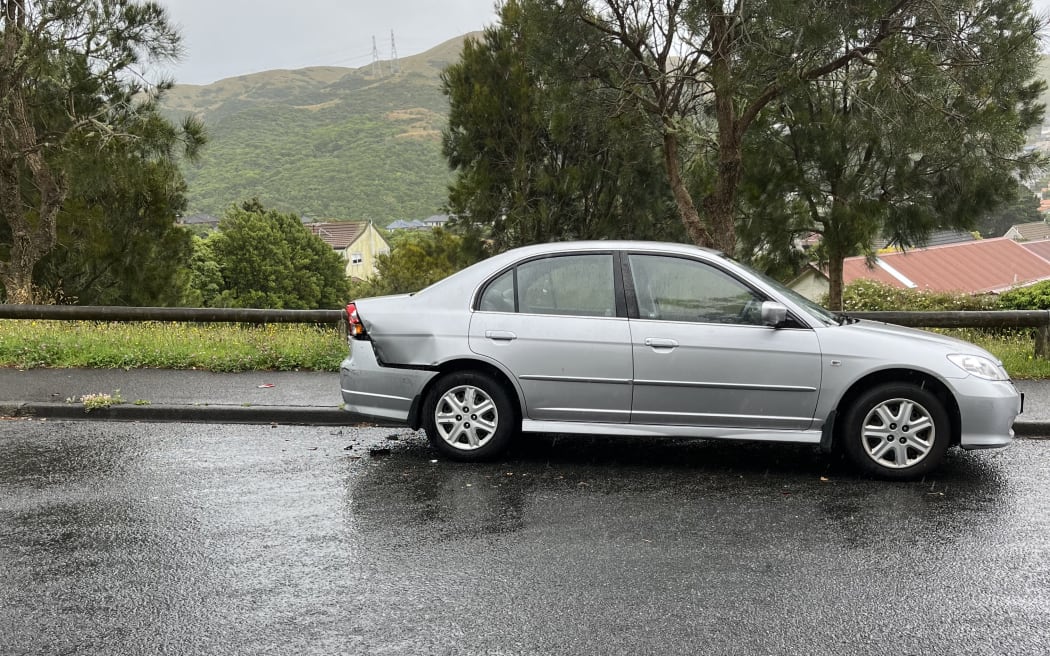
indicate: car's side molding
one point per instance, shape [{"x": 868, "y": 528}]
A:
[
  {"x": 733, "y": 386},
  {"x": 645, "y": 430}
]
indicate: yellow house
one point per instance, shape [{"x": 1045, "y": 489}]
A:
[{"x": 357, "y": 242}]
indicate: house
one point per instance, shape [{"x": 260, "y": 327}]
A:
[
  {"x": 1033, "y": 231},
  {"x": 813, "y": 282},
  {"x": 935, "y": 238},
  {"x": 988, "y": 265},
  {"x": 205, "y": 220},
  {"x": 1040, "y": 248},
  {"x": 436, "y": 221},
  {"x": 358, "y": 242},
  {"x": 401, "y": 224}
]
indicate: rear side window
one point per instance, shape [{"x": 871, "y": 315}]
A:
[
  {"x": 499, "y": 295},
  {"x": 577, "y": 285}
]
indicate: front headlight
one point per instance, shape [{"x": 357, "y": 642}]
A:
[{"x": 979, "y": 366}]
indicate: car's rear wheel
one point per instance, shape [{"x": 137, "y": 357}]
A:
[
  {"x": 896, "y": 430},
  {"x": 469, "y": 416}
]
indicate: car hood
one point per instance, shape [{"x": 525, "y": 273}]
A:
[{"x": 891, "y": 331}]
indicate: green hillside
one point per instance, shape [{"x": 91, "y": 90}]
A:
[
  {"x": 324, "y": 142},
  {"x": 328, "y": 142}
]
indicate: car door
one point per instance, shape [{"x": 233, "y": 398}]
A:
[
  {"x": 559, "y": 325},
  {"x": 702, "y": 356}
]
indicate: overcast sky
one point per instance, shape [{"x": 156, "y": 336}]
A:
[
  {"x": 225, "y": 38},
  {"x": 1041, "y": 8}
]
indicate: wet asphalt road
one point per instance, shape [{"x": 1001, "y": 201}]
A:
[{"x": 120, "y": 538}]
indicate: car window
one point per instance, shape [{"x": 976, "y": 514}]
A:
[
  {"x": 580, "y": 285},
  {"x": 499, "y": 295},
  {"x": 678, "y": 289},
  {"x": 813, "y": 309}
]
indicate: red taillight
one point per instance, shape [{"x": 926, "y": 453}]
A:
[{"x": 353, "y": 322}]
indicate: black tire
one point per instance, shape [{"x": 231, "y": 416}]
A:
[
  {"x": 469, "y": 416},
  {"x": 896, "y": 430}
]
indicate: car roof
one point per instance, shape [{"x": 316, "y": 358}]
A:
[
  {"x": 608, "y": 245},
  {"x": 475, "y": 274},
  {"x": 523, "y": 252}
]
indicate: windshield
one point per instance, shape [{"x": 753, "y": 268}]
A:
[{"x": 813, "y": 309}]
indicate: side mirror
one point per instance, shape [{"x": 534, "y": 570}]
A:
[{"x": 773, "y": 314}]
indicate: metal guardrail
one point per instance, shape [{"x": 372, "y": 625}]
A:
[
  {"x": 1038, "y": 319},
  {"x": 203, "y": 315},
  {"x": 962, "y": 319}
]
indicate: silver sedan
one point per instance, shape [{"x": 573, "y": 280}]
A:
[{"x": 644, "y": 338}]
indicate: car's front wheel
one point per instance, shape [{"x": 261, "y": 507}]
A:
[
  {"x": 468, "y": 416},
  {"x": 896, "y": 430}
]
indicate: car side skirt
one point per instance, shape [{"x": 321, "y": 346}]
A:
[{"x": 645, "y": 430}]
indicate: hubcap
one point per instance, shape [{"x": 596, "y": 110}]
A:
[
  {"x": 898, "y": 433},
  {"x": 466, "y": 417}
]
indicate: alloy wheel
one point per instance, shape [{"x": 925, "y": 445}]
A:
[
  {"x": 898, "y": 433},
  {"x": 466, "y": 417}
]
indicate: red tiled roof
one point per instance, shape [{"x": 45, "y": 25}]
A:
[
  {"x": 856, "y": 268},
  {"x": 1040, "y": 248},
  {"x": 988, "y": 265},
  {"x": 338, "y": 234}
]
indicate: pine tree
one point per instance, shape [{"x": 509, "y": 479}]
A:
[{"x": 68, "y": 81}]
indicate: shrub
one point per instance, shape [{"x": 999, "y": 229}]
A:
[
  {"x": 868, "y": 295},
  {"x": 1034, "y": 297}
]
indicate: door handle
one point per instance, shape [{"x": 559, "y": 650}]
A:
[
  {"x": 659, "y": 342},
  {"x": 500, "y": 335}
]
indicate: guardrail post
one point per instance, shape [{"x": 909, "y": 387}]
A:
[{"x": 1042, "y": 338}]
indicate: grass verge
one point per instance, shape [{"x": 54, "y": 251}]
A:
[
  {"x": 283, "y": 347},
  {"x": 170, "y": 345},
  {"x": 1015, "y": 348}
]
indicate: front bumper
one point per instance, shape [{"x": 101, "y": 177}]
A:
[
  {"x": 987, "y": 410},
  {"x": 373, "y": 390}
]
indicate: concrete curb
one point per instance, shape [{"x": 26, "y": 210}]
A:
[
  {"x": 1032, "y": 429},
  {"x": 266, "y": 414},
  {"x": 209, "y": 414}
]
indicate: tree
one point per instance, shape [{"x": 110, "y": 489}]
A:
[
  {"x": 118, "y": 242},
  {"x": 205, "y": 277},
  {"x": 706, "y": 70},
  {"x": 268, "y": 259},
  {"x": 1022, "y": 207},
  {"x": 69, "y": 79},
  {"x": 924, "y": 133},
  {"x": 536, "y": 158}
]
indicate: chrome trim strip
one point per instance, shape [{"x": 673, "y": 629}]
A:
[
  {"x": 378, "y": 396},
  {"x": 704, "y": 323},
  {"x": 764, "y": 418},
  {"x": 733, "y": 386},
  {"x": 575, "y": 379},
  {"x": 637, "y": 430},
  {"x": 587, "y": 411}
]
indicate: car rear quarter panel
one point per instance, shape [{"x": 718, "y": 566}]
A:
[{"x": 413, "y": 332}]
